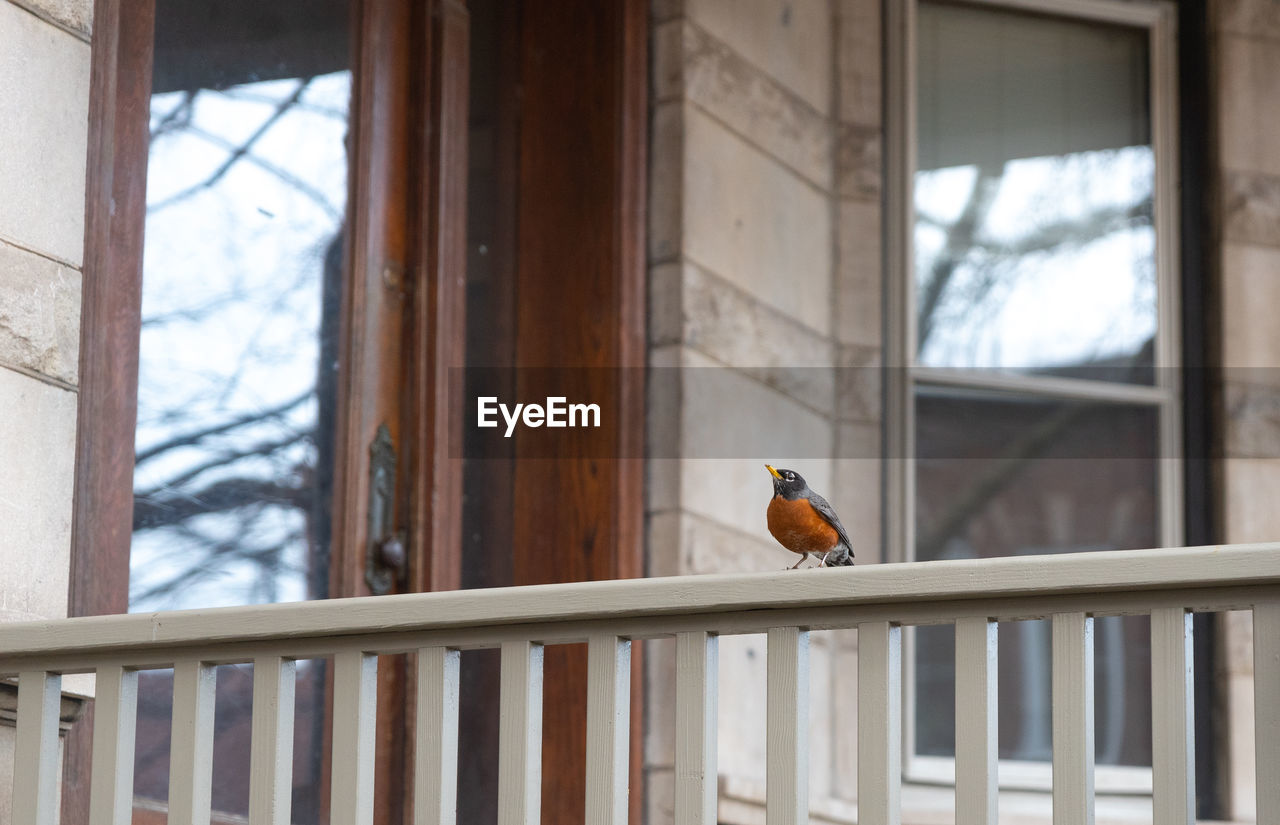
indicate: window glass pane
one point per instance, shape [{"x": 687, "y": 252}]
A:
[
  {"x": 1000, "y": 475},
  {"x": 1034, "y": 242},
  {"x": 246, "y": 196}
]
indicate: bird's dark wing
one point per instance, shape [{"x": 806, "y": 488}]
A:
[{"x": 829, "y": 515}]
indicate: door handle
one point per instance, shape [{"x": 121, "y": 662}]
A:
[{"x": 385, "y": 557}]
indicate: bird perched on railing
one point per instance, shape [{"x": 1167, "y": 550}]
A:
[{"x": 803, "y": 522}]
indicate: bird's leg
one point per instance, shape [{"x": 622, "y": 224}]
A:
[
  {"x": 803, "y": 556},
  {"x": 823, "y": 561}
]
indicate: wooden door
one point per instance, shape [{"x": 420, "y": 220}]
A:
[
  {"x": 556, "y": 293},
  {"x": 568, "y": 207}
]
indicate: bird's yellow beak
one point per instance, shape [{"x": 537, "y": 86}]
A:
[{"x": 773, "y": 472}]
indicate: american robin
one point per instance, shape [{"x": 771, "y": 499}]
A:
[{"x": 803, "y": 522}]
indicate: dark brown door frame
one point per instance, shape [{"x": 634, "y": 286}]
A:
[{"x": 115, "y": 199}]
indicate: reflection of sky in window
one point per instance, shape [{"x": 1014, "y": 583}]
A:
[
  {"x": 1055, "y": 267},
  {"x": 235, "y": 246}
]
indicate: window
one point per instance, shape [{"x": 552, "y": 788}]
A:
[{"x": 1032, "y": 261}]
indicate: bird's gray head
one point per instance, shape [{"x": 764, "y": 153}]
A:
[{"x": 787, "y": 483}]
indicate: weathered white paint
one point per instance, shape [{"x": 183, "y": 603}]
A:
[
  {"x": 879, "y": 724},
  {"x": 191, "y": 746},
  {"x": 115, "y": 716},
  {"x": 608, "y": 729},
  {"x": 976, "y": 733},
  {"x": 355, "y": 710},
  {"x": 520, "y": 735},
  {"x": 35, "y": 769},
  {"x": 787, "y": 727},
  {"x": 436, "y": 741},
  {"x": 697, "y": 667},
  {"x": 271, "y": 750},
  {"x": 1266, "y": 701},
  {"x": 1072, "y": 719},
  {"x": 1173, "y": 775}
]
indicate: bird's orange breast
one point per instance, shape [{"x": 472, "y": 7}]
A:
[{"x": 799, "y": 528}]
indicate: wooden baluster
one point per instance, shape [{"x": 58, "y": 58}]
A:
[
  {"x": 879, "y": 724},
  {"x": 608, "y": 729},
  {"x": 787, "y": 727},
  {"x": 191, "y": 748},
  {"x": 35, "y": 768},
  {"x": 271, "y": 752},
  {"x": 1266, "y": 702},
  {"x": 697, "y": 665},
  {"x": 1072, "y": 719},
  {"x": 115, "y": 725},
  {"x": 976, "y": 733},
  {"x": 520, "y": 735},
  {"x": 436, "y": 737},
  {"x": 355, "y": 711},
  {"x": 1173, "y": 777}
]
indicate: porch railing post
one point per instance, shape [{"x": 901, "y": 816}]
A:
[
  {"x": 271, "y": 748},
  {"x": 1266, "y": 693},
  {"x": 355, "y": 711},
  {"x": 879, "y": 724},
  {"x": 608, "y": 729},
  {"x": 436, "y": 738},
  {"x": 787, "y": 727},
  {"x": 115, "y": 721},
  {"x": 697, "y": 665},
  {"x": 520, "y": 735},
  {"x": 191, "y": 748},
  {"x": 35, "y": 769},
  {"x": 1072, "y": 719},
  {"x": 976, "y": 733},
  {"x": 1173, "y": 777}
]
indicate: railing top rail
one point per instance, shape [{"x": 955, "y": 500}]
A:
[{"x": 951, "y": 581}]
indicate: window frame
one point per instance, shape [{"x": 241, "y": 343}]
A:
[{"x": 1159, "y": 19}]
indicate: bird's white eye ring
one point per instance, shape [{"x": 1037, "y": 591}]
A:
[{"x": 791, "y": 476}]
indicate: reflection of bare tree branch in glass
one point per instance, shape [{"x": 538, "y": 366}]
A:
[
  {"x": 251, "y": 347},
  {"x": 964, "y": 284},
  {"x": 230, "y": 475},
  {"x": 241, "y": 93},
  {"x": 238, "y": 456},
  {"x": 187, "y": 439},
  {"x": 163, "y": 509},
  {"x": 241, "y": 151},
  {"x": 980, "y": 257},
  {"x": 199, "y": 312},
  {"x": 1073, "y": 232},
  {"x": 961, "y": 236},
  {"x": 178, "y": 118},
  {"x": 288, "y": 178},
  {"x": 215, "y": 555},
  {"x": 265, "y": 448}
]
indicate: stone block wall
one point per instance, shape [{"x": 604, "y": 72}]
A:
[
  {"x": 1245, "y": 49},
  {"x": 44, "y": 107},
  {"x": 44, "y": 110},
  {"x": 764, "y": 273}
]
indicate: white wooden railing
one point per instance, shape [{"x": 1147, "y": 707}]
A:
[{"x": 876, "y": 599}]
